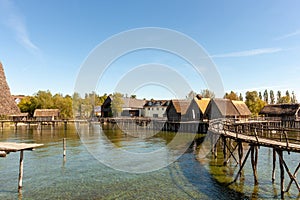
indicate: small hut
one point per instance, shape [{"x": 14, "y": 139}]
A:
[
  {"x": 283, "y": 112},
  {"x": 221, "y": 108},
  {"x": 197, "y": 108},
  {"x": 19, "y": 117},
  {"x": 46, "y": 114},
  {"x": 177, "y": 109},
  {"x": 243, "y": 110}
]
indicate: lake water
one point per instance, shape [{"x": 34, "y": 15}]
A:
[{"x": 82, "y": 175}]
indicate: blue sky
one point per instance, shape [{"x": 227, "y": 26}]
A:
[{"x": 255, "y": 45}]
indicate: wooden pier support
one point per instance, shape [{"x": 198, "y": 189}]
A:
[
  {"x": 254, "y": 158},
  {"x": 64, "y": 147},
  {"x": 274, "y": 165},
  {"x": 21, "y": 170},
  {"x": 279, "y": 152}
]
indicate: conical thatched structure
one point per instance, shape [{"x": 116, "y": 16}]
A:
[{"x": 7, "y": 104}]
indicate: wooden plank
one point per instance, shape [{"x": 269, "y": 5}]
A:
[{"x": 13, "y": 147}]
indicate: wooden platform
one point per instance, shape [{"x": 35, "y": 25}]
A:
[
  {"x": 7, "y": 147},
  {"x": 14, "y": 147}
]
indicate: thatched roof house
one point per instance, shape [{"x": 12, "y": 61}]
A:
[
  {"x": 7, "y": 104},
  {"x": 284, "y": 112},
  {"x": 242, "y": 108},
  {"x": 221, "y": 108},
  {"x": 177, "y": 109},
  {"x": 46, "y": 114},
  {"x": 197, "y": 108}
]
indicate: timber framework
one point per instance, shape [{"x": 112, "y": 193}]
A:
[{"x": 269, "y": 134}]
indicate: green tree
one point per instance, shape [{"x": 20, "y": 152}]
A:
[
  {"x": 117, "y": 104},
  {"x": 28, "y": 105},
  {"x": 64, "y": 104},
  {"x": 254, "y": 103},
  {"x": 284, "y": 99},
  {"x": 232, "y": 96},
  {"x": 272, "y": 97},
  {"x": 44, "y": 99},
  {"x": 207, "y": 94},
  {"x": 278, "y": 96},
  {"x": 260, "y": 96},
  {"x": 241, "y": 97},
  {"x": 266, "y": 96}
]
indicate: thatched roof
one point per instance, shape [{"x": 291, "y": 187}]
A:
[
  {"x": 7, "y": 104},
  {"x": 280, "y": 109},
  {"x": 46, "y": 113},
  {"x": 226, "y": 107},
  {"x": 133, "y": 103},
  {"x": 242, "y": 108},
  {"x": 202, "y": 103},
  {"x": 181, "y": 106}
]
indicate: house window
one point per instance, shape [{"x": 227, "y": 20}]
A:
[
  {"x": 157, "y": 108},
  {"x": 148, "y": 108},
  {"x": 162, "y": 108},
  {"x": 152, "y": 108}
]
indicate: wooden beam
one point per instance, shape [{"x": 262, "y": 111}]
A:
[
  {"x": 244, "y": 162},
  {"x": 279, "y": 152},
  {"x": 294, "y": 175},
  {"x": 274, "y": 165},
  {"x": 21, "y": 170},
  {"x": 254, "y": 156}
]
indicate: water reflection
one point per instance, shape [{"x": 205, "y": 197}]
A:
[{"x": 81, "y": 176}]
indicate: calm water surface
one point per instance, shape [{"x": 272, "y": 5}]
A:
[{"x": 48, "y": 176}]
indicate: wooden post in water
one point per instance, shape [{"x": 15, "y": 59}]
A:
[
  {"x": 281, "y": 174},
  {"x": 274, "y": 165},
  {"x": 64, "y": 147},
  {"x": 254, "y": 158},
  {"x": 224, "y": 150},
  {"x": 21, "y": 170}
]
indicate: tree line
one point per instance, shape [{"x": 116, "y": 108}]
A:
[
  {"x": 69, "y": 106},
  {"x": 257, "y": 100},
  {"x": 83, "y": 107}
]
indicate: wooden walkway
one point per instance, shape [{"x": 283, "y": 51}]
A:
[
  {"x": 269, "y": 134},
  {"x": 8, "y": 147}
]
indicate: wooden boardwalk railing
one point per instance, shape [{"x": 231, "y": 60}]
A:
[{"x": 271, "y": 134}]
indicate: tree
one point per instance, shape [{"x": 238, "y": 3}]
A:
[
  {"x": 44, "y": 99},
  {"x": 254, "y": 103},
  {"x": 272, "y": 97},
  {"x": 28, "y": 105},
  {"x": 260, "y": 96},
  {"x": 207, "y": 94},
  {"x": 241, "y": 97},
  {"x": 284, "y": 99},
  {"x": 232, "y": 96},
  {"x": 191, "y": 95},
  {"x": 64, "y": 104},
  {"x": 293, "y": 98},
  {"x": 133, "y": 96},
  {"x": 266, "y": 96},
  {"x": 278, "y": 96},
  {"x": 117, "y": 104}
]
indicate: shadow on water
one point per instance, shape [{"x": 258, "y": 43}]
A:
[{"x": 197, "y": 174}]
